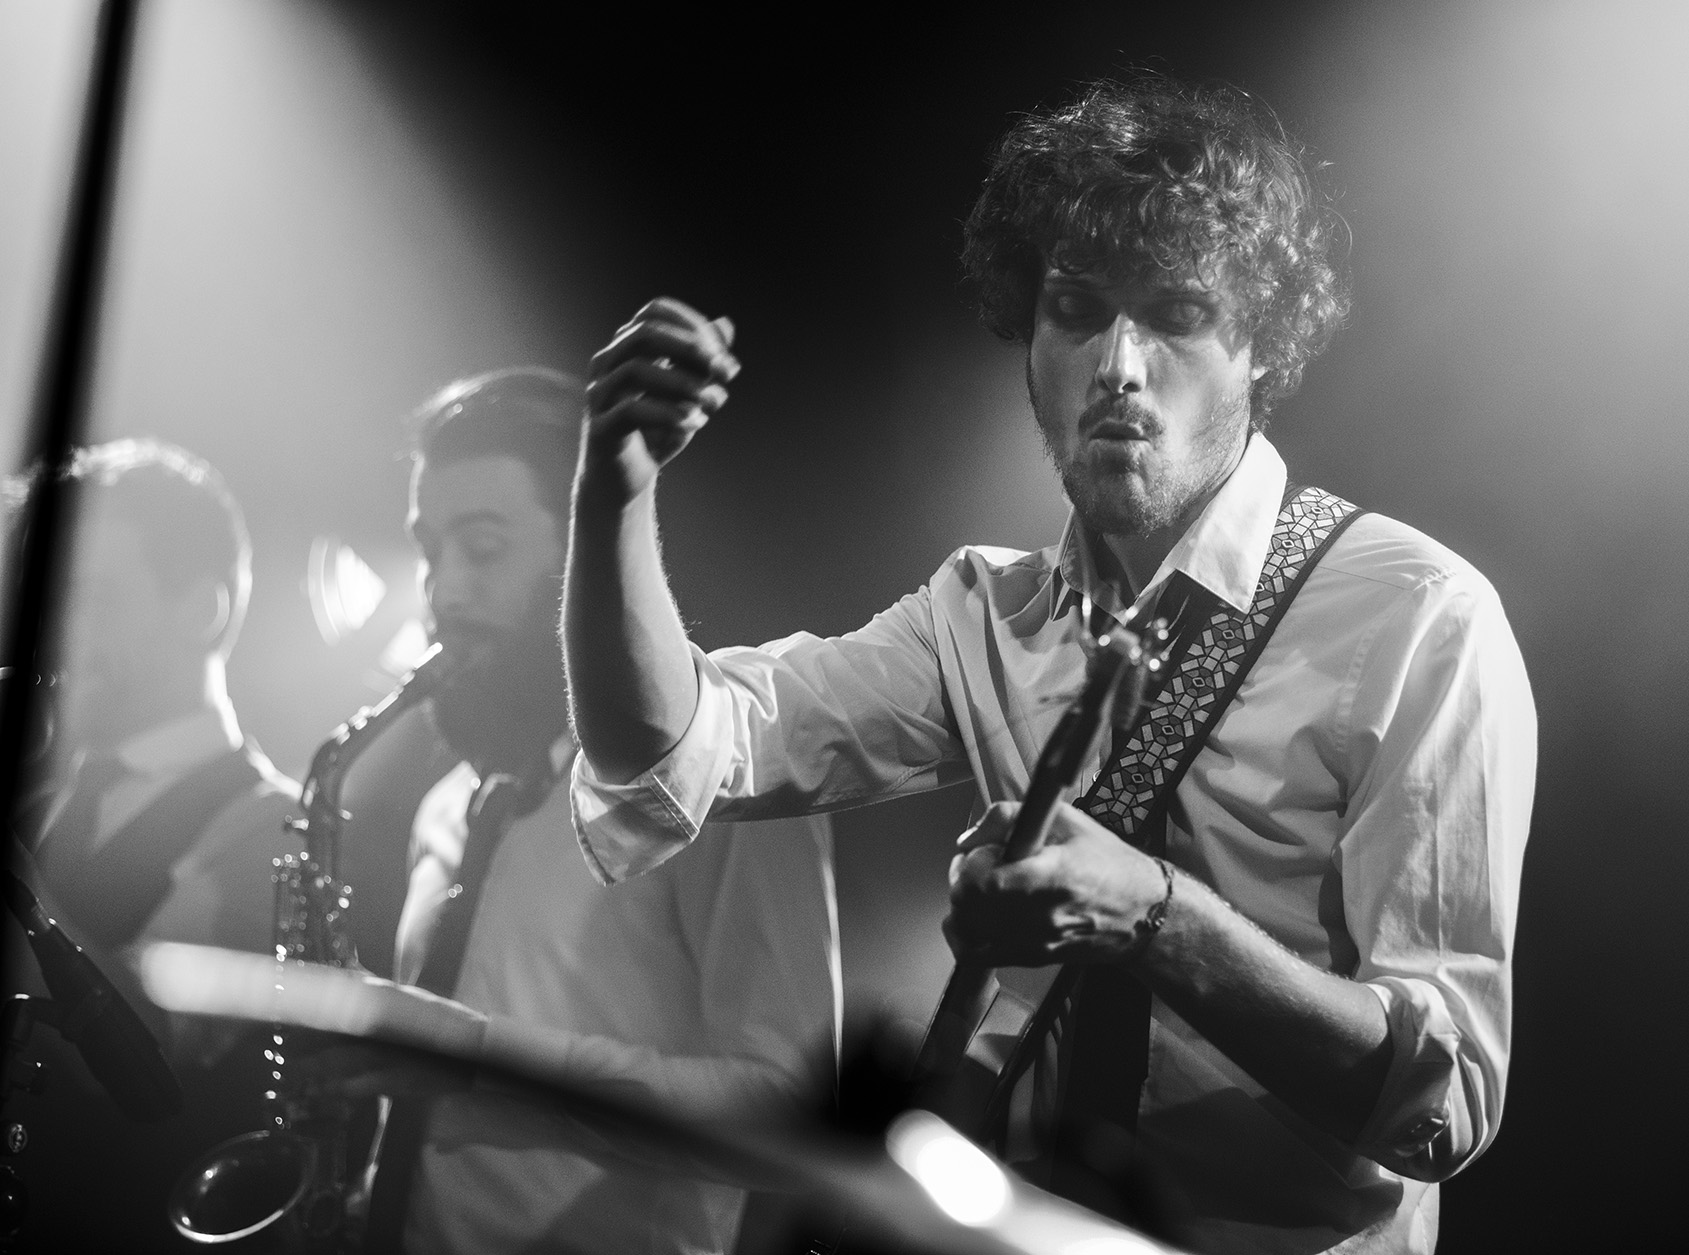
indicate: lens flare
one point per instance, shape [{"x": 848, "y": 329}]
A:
[{"x": 959, "y": 1177}]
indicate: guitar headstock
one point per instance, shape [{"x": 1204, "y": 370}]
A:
[
  {"x": 1122, "y": 640},
  {"x": 1124, "y": 659}
]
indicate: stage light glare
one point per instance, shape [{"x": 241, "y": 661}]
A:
[
  {"x": 959, "y": 1177},
  {"x": 344, "y": 590}
]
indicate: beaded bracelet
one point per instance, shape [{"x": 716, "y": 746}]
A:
[{"x": 1156, "y": 916}]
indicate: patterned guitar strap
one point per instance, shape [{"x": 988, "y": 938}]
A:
[{"x": 1091, "y": 1032}]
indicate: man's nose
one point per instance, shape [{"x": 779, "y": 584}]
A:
[
  {"x": 1120, "y": 369},
  {"x": 445, "y": 588}
]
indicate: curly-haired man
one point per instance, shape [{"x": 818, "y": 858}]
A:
[{"x": 1290, "y": 891}]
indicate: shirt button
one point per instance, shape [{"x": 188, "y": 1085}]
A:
[{"x": 1421, "y": 1134}]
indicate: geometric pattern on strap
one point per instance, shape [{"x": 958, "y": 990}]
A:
[
  {"x": 1139, "y": 781},
  {"x": 1203, "y": 683}
]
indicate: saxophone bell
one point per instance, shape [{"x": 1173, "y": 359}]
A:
[
  {"x": 287, "y": 1188},
  {"x": 249, "y": 1186}
]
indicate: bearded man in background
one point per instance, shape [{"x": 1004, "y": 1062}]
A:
[{"x": 712, "y": 989}]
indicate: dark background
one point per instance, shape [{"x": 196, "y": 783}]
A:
[{"x": 331, "y": 209}]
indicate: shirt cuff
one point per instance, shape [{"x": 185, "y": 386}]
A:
[
  {"x": 1421, "y": 1126},
  {"x": 627, "y": 829}
]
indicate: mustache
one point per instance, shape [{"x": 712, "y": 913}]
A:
[
  {"x": 461, "y": 633},
  {"x": 1126, "y": 411}
]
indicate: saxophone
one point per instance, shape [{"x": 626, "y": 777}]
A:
[{"x": 294, "y": 1172}]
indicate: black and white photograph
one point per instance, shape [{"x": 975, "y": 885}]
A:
[{"x": 884, "y": 630}]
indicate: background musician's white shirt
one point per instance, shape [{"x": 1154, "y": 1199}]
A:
[{"x": 730, "y": 954}]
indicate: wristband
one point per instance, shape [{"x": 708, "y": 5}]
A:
[{"x": 1156, "y": 916}]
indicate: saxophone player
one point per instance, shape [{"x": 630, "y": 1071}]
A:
[
  {"x": 157, "y": 822},
  {"x": 705, "y": 987}
]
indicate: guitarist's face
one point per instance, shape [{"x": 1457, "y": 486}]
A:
[{"x": 1140, "y": 383}]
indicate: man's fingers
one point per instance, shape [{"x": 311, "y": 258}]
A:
[
  {"x": 1071, "y": 824},
  {"x": 971, "y": 866},
  {"x": 993, "y": 827},
  {"x": 663, "y": 429},
  {"x": 661, "y": 377},
  {"x": 702, "y": 348},
  {"x": 639, "y": 376},
  {"x": 725, "y": 331},
  {"x": 668, "y": 309},
  {"x": 652, "y": 417},
  {"x": 661, "y": 342},
  {"x": 981, "y": 873}
]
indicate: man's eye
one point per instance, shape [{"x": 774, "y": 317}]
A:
[
  {"x": 482, "y": 544},
  {"x": 1182, "y": 317},
  {"x": 1072, "y": 308}
]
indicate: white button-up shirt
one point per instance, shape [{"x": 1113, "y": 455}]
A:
[
  {"x": 710, "y": 986},
  {"x": 1365, "y": 799}
]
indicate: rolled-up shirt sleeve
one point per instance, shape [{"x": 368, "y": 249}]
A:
[
  {"x": 626, "y": 829},
  {"x": 1443, "y": 750},
  {"x": 797, "y": 726}
]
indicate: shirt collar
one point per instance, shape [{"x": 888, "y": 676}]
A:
[
  {"x": 562, "y": 754},
  {"x": 1224, "y": 550}
]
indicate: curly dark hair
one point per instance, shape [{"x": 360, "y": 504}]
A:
[{"x": 1160, "y": 174}]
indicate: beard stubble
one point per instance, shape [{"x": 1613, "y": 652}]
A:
[
  {"x": 508, "y": 705},
  {"x": 1150, "y": 495}
]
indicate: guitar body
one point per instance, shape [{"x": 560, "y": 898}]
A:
[
  {"x": 989, "y": 1022},
  {"x": 991, "y": 1030}
]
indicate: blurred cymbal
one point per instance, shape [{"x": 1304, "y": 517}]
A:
[{"x": 925, "y": 1187}]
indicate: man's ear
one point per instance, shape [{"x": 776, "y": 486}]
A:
[{"x": 202, "y": 612}]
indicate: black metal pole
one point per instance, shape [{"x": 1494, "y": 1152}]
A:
[{"x": 61, "y": 399}]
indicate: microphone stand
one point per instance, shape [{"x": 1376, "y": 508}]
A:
[
  {"x": 57, "y": 422},
  {"x": 62, "y": 386}
]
